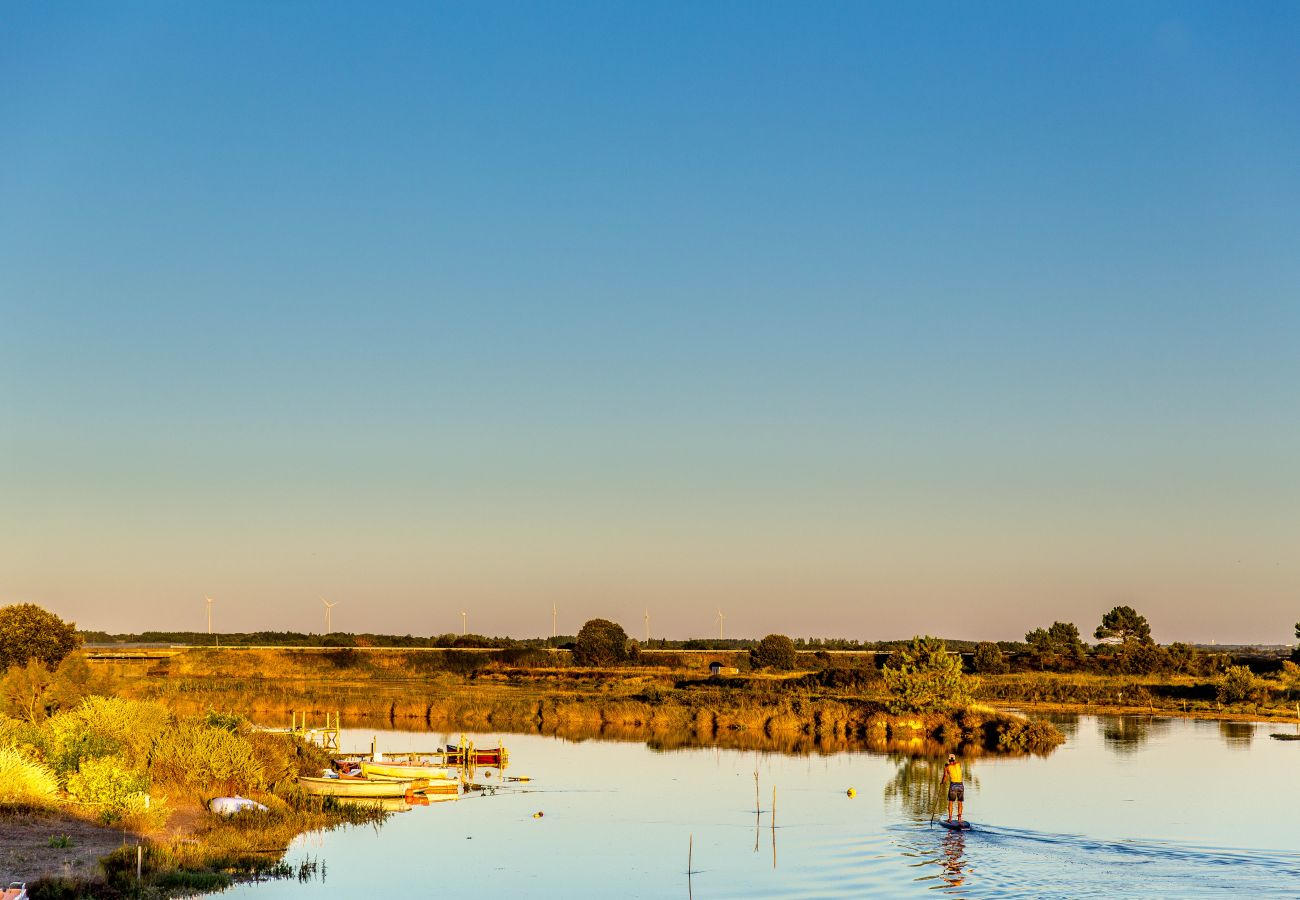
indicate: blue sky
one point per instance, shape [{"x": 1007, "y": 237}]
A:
[{"x": 847, "y": 319}]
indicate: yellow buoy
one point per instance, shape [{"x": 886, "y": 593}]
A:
[{"x": 852, "y": 793}]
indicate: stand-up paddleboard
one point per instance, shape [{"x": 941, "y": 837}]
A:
[{"x": 955, "y": 826}]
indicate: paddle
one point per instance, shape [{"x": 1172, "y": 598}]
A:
[{"x": 938, "y": 798}]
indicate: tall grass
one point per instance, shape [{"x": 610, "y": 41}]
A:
[{"x": 25, "y": 782}]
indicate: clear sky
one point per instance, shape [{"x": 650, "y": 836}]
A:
[{"x": 847, "y": 319}]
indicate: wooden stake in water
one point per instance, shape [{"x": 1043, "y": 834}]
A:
[{"x": 690, "y": 851}]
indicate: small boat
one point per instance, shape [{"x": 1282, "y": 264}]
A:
[
  {"x": 390, "y": 769},
  {"x": 356, "y": 787},
  {"x": 17, "y": 890},
  {"x": 478, "y": 756}
]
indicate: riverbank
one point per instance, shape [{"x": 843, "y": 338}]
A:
[
  {"x": 777, "y": 713},
  {"x": 108, "y": 799},
  {"x": 424, "y": 686}
]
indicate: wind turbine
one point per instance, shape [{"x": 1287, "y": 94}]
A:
[
  {"x": 647, "y": 626},
  {"x": 328, "y": 607},
  {"x": 464, "y": 622},
  {"x": 554, "y": 612},
  {"x": 209, "y": 599},
  {"x": 721, "y": 617}
]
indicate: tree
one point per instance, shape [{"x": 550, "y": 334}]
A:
[
  {"x": 28, "y": 632},
  {"x": 988, "y": 659},
  {"x": 776, "y": 651},
  {"x": 1060, "y": 643},
  {"x": 600, "y": 643},
  {"x": 924, "y": 676},
  {"x": 1124, "y": 625}
]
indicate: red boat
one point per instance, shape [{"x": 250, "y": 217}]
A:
[{"x": 485, "y": 756}]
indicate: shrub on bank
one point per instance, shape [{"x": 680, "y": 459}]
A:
[
  {"x": 1240, "y": 685},
  {"x": 206, "y": 760},
  {"x": 116, "y": 793}
]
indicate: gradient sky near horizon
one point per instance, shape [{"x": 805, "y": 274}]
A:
[{"x": 847, "y": 319}]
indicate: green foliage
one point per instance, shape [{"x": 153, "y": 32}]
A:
[
  {"x": 776, "y": 651},
  {"x": 1125, "y": 625},
  {"x": 988, "y": 659},
  {"x": 103, "y": 726},
  {"x": 924, "y": 676},
  {"x": 25, "y": 782},
  {"x": 600, "y": 643},
  {"x": 28, "y": 632},
  {"x": 60, "y": 842},
  {"x": 113, "y": 790},
  {"x": 1057, "y": 645},
  {"x": 1240, "y": 685}
]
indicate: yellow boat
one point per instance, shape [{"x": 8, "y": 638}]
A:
[{"x": 402, "y": 770}]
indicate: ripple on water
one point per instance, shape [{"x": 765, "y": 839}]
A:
[{"x": 912, "y": 860}]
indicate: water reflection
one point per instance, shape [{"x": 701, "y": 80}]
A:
[
  {"x": 1132, "y": 829},
  {"x": 953, "y": 861},
  {"x": 915, "y": 785},
  {"x": 1237, "y": 735},
  {"x": 1127, "y": 734}
]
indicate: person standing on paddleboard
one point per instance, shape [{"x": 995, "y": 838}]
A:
[{"x": 956, "y": 786}]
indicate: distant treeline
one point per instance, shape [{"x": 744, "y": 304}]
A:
[
  {"x": 479, "y": 641},
  {"x": 565, "y": 642}
]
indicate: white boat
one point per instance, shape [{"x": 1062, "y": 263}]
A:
[
  {"x": 355, "y": 787},
  {"x": 17, "y": 890}
]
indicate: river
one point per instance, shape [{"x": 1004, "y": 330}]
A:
[{"x": 1129, "y": 806}]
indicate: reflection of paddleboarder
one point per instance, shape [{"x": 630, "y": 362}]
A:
[{"x": 956, "y": 787}]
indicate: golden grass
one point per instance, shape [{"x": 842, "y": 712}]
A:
[{"x": 24, "y": 782}]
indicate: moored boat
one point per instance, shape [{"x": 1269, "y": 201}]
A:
[
  {"x": 17, "y": 890},
  {"x": 356, "y": 787},
  {"x": 478, "y": 756},
  {"x": 390, "y": 769}
]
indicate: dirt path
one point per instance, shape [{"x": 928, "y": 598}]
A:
[{"x": 30, "y": 846}]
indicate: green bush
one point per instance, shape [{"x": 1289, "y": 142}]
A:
[
  {"x": 988, "y": 659},
  {"x": 117, "y": 793},
  {"x": 206, "y": 760},
  {"x": 776, "y": 651},
  {"x": 1240, "y": 685}
]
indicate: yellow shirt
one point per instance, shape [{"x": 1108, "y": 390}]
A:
[{"x": 953, "y": 771}]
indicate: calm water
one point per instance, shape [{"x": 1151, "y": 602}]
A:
[{"x": 1128, "y": 807}]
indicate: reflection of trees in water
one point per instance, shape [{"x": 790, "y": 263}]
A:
[
  {"x": 915, "y": 785},
  {"x": 1127, "y": 734},
  {"x": 1068, "y": 723},
  {"x": 1237, "y": 734}
]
